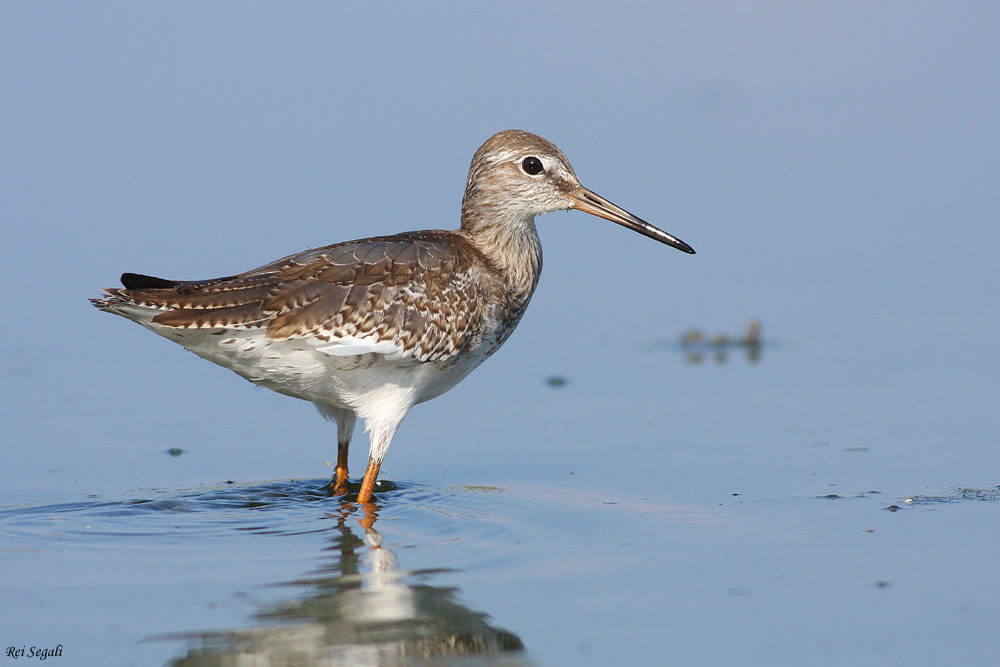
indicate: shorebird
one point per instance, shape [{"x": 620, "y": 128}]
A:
[{"x": 370, "y": 328}]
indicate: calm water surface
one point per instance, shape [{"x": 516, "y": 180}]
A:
[{"x": 778, "y": 536}]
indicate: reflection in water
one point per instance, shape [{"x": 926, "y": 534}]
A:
[
  {"x": 697, "y": 345},
  {"x": 359, "y": 609}
]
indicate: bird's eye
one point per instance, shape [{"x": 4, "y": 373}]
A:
[{"x": 532, "y": 165}]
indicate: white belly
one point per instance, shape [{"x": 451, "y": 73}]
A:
[{"x": 363, "y": 383}]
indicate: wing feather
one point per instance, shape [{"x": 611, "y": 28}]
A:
[{"x": 414, "y": 293}]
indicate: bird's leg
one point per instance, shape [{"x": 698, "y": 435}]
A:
[
  {"x": 368, "y": 483},
  {"x": 339, "y": 481},
  {"x": 381, "y": 435},
  {"x": 345, "y": 419},
  {"x": 345, "y": 428}
]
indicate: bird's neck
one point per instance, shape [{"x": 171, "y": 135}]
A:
[{"x": 512, "y": 246}]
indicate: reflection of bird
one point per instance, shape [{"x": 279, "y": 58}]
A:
[
  {"x": 359, "y": 608},
  {"x": 370, "y": 328}
]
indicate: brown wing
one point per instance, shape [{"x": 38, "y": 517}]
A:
[{"x": 417, "y": 290}]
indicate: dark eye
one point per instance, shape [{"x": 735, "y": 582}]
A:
[{"x": 532, "y": 165}]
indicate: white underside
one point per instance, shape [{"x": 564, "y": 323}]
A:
[{"x": 369, "y": 379}]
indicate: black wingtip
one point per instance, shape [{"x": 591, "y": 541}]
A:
[{"x": 139, "y": 281}]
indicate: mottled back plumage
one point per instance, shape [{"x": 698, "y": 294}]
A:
[{"x": 418, "y": 290}]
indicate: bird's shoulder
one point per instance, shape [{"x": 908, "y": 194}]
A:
[{"x": 394, "y": 259}]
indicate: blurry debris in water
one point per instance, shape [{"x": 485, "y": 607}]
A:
[
  {"x": 970, "y": 493},
  {"x": 696, "y": 344},
  {"x": 989, "y": 494},
  {"x": 556, "y": 381},
  {"x": 175, "y": 451}
]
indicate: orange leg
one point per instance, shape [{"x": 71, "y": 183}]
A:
[
  {"x": 381, "y": 435},
  {"x": 345, "y": 427},
  {"x": 368, "y": 484},
  {"x": 340, "y": 477}
]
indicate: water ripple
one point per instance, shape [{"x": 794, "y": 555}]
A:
[{"x": 284, "y": 507}]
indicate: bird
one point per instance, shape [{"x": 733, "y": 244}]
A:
[{"x": 369, "y": 328}]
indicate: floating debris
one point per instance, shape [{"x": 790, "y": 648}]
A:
[
  {"x": 697, "y": 344},
  {"x": 990, "y": 494}
]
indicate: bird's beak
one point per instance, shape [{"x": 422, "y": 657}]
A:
[{"x": 584, "y": 200}]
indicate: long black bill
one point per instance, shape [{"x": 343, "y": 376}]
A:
[{"x": 585, "y": 200}]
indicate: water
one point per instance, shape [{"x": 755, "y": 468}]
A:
[
  {"x": 769, "y": 551},
  {"x": 349, "y": 603}
]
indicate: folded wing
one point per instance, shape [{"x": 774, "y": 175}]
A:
[{"x": 408, "y": 295}]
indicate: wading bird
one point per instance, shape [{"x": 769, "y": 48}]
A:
[{"x": 370, "y": 328}]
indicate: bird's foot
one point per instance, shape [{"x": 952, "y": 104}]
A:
[
  {"x": 351, "y": 489},
  {"x": 339, "y": 483}
]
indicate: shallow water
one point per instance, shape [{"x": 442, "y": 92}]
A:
[
  {"x": 289, "y": 575},
  {"x": 819, "y": 501},
  {"x": 806, "y": 502},
  {"x": 348, "y": 599}
]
